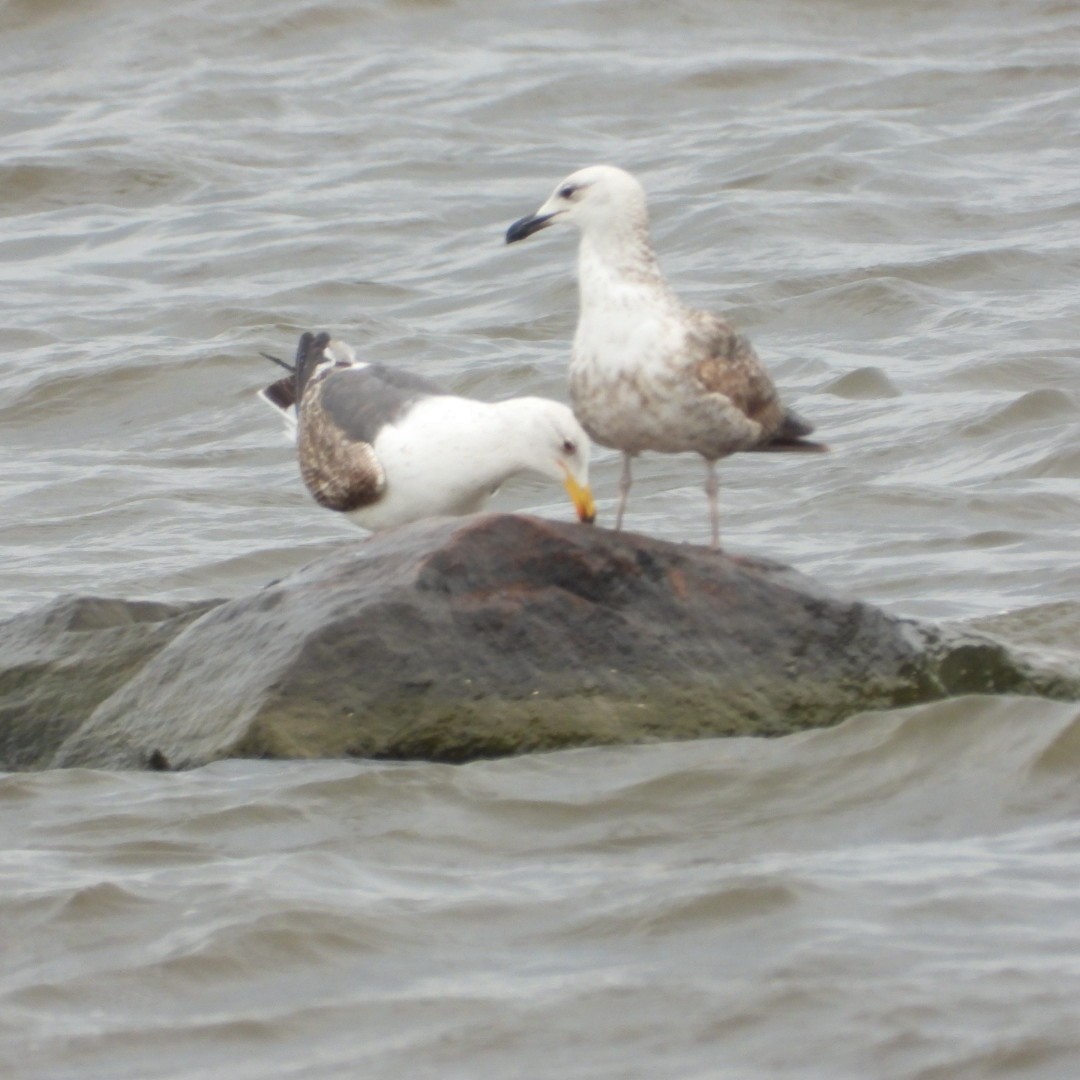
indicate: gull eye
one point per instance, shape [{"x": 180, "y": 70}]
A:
[
  {"x": 567, "y": 192},
  {"x": 568, "y": 446}
]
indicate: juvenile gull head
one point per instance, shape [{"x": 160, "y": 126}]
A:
[
  {"x": 647, "y": 372},
  {"x": 600, "y": 200},
  {"x": 387, "y": 447}
]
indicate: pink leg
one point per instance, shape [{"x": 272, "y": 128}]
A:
[
  {"x": 712, "y": 488},
  {"x": 624, "y": 489}
]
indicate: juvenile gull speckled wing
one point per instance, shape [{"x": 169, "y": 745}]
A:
[{"x": 647, "y": 372}]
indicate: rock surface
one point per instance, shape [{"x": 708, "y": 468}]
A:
[
  {"x": 60, "y": 661},
  {"x": 456, "y": 639}
]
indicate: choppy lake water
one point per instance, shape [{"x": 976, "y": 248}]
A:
[{"x": 883, "y": 196}]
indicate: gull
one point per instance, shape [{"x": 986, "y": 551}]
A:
[
  {"x": 387, "y": 447},
  {"x": 646, "y": 371}
]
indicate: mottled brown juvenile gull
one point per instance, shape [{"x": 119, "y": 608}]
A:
[
  {"x": 387, "y": 447},
  {"x": 647, "y": 372}
]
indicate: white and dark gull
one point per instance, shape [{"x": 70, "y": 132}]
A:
[
  {"x": 646, "y": 371},
  {"x": 387, "y": 447}
]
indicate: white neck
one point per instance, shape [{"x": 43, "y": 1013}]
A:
[
  {"x": 455, "y": 447},
  {"x": 615, "y": 264},
  {"x": 517, "y": 423}
]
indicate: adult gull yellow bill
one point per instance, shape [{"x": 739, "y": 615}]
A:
[{"x": 387, "y": 447}]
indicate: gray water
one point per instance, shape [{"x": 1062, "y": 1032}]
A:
[{"x": 884, "y": 197}]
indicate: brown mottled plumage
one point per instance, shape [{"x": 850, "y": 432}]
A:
[
  {"x": 341, "y": 473},
  {"x": 647, "y": 372}
]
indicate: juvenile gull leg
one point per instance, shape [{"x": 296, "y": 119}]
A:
[
  {"x": 646, "y": 371},
  {"x": 624, "y": 489},
  {"x": 712, "y": 489}
]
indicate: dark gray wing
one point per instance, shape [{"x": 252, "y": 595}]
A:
[{"x": 361, "y": 400}]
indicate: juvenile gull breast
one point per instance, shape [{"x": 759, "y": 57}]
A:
[
  {"x": 646, "y": 371},
  {"x": 388, "y": 447}
]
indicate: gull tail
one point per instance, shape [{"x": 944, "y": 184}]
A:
[
  {"x": 314, "y": 354},
  {"x": 283, "y": 395},
  {"x": 791, "y": 437},
  {"x": 802, "y": 446},
  {"x": 310, "y": 353}
]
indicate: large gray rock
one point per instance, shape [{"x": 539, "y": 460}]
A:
[
  {"x": 60, "y": 661},
  {"x": 457, "y": 639}
]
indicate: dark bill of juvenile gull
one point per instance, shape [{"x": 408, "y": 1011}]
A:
[
  {"x": 646, "y": 371},
  {"x": 386, "y": 447}
]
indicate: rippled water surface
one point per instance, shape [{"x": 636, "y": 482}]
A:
[
  {"x": 883, "y": 196},
  {"x": 892, "y": 898}
]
